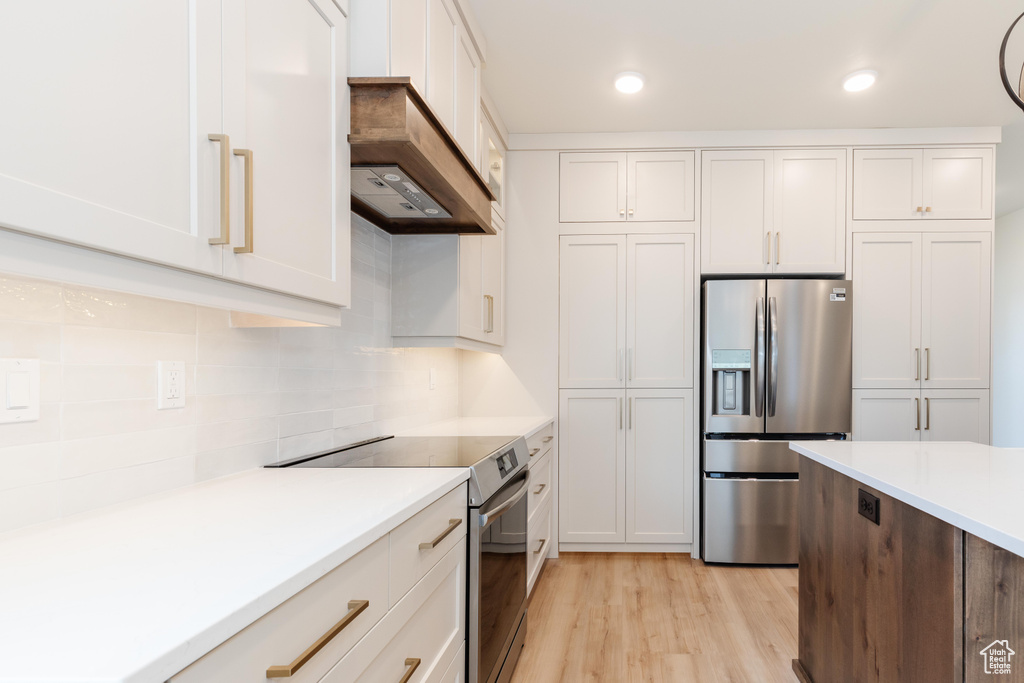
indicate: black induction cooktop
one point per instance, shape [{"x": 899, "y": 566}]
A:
[{"x": 406, "y": 451}]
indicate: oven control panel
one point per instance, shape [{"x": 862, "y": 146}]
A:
[{"x": 507, "y": 463}]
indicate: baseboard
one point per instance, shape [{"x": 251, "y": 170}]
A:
[{"x": 625, "y": 548}]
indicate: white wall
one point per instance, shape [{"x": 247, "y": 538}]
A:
[
  {"x": 524, "y": 380},
  {"x": 254, "y": 396},
  {"x": 1008, "y": 333}
]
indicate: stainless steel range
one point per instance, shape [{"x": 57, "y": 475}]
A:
[{"x": 498, "y": 482}]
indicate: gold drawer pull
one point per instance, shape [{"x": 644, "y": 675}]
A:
[
  {"x": 539, "y": 489},
  {"x": 225, "y": 188},
  {"x": 413, "y": 663},
  {"x": 534, "y": 451},
  {"x": 540, "y": 546},
  {"x": 547, "y": 439},
  {"x": 355, "y": 608},
  {"x": 453, "y": 524},
  {"x": 246, "y": 248}
]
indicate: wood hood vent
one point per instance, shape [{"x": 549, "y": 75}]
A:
[{"x": 406, "y": 163}]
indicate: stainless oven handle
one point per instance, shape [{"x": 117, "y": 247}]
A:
[{"x": 487, "y": 518}]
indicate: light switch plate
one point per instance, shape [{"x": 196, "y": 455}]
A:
[
  {"x": 171, "y": 384},
  {"x": 19, "y": 393}
]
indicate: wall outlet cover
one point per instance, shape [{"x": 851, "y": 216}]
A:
[
  {"x": 19, "y": 390},
  {"x": 170, "y": 384}
]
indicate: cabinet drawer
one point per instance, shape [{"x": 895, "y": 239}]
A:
[
  {"x": 419, "y": 543},
  {"x": 541, "y": 441},
  {"x": 425, "y": 630},
  {"x": 540, "y": 485},
  {"x": 540, "y": 537},
  {"x": 281, "y": 636}
]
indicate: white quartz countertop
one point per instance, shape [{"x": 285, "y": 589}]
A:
[
  {"x": 138, "y": 591},
  {"x": 483, "y": 426},
  {"x": 977, "y": 488}
]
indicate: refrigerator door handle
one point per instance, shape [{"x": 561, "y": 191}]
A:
[
  {"x": 759, "y": 361},
  {"x": 773, "y": 353}
]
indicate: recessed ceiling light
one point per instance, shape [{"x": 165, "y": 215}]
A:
[
  {"x": 629, "y": 82},
  {"x": 860, "y": 80}
]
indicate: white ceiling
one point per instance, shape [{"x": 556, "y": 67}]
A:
[{"x": 748, "y": 65}]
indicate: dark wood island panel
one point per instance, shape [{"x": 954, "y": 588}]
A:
[
  {"x": 994, "y": 612},
  {"x": 878, "y": 602}
]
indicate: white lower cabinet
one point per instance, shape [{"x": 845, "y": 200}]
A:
[
  {"x": 420, "y": 631},
  {"x": 420, "y": 636},
  {"x": 538, "y": 543},
  {"x": 625, "y": 463},
  {"x": 916, "y": 415}
]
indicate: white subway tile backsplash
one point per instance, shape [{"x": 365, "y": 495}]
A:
[{"x": 253, "y": 395}]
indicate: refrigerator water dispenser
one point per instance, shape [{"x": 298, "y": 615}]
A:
[{"x": 730, "y": 370}]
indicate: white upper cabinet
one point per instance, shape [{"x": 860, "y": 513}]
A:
[
  {"x": 922, "y": 310},
  {"x": 104, "y": 129},
  {"x": 781, "y": 211},
  {"x": 736, "y": 211},
  {"x": 597, "y": 187},
  {"x": 467, "y": 94},
  {"x": 958, "y": 183},
  {"x": 887, "y": 310},
  {"x": 592, "y": 301},
  {"x": 956, "y": 309},
  {"x": 286, "y": 110},
  {"x": 810, "y": 211},
  {"x": 492, "y": 160},
  {"x": 659, "y": 472},
  {"x": 659, "y": 310},
  {"x": 914, "y": 184},
  {"x": 408, "y": 40},
  {"x": 442, "y": 34}
]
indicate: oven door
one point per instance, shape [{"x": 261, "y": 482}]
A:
[{"x": 497, "y": 579}]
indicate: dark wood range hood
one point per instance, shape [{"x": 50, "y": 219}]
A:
[{"x": 392, "y": 126}]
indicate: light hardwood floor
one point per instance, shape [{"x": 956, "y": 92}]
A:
[{"x": 658, "y": 617}]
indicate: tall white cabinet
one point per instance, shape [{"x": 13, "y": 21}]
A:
[
  {"x": 626, "y": 368},
  {"x": 209, "y": 135},
  {"x": 922, "y": 335}
]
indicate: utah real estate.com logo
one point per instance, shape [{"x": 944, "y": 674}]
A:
[{"x": 997, "y": 657}]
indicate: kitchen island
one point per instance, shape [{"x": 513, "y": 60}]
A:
[{"x": 911, "y": 562}]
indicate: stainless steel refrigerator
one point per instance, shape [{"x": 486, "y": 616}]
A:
[{"x": 777, "y": 366}]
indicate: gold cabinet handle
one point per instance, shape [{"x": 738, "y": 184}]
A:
[
  {"x": 927, "y": 414},
  {"x": 453, "y": 524},
  {"x": 920, "y": 209},
  {"x": 490, "y": 313},
  {"x": 631, "y": 212},
  {"x": 246, "y": 247},
  {"x": 355, "y": 608},
  {"x": 535, "y": 451},
  {"x": 778, "y": 239},
  {"x": 539, "y": 489},
  {"x": 622, "y": 212},
  {"x": 548, "y": 439},
  {"x": 927, "y": 364},
  {"x": 927, "y": 209},
  {"x": 540, "y": 546},
  {"x": 413, "y": 663},
  {"x": 917, "y": 375},
  {"x": 917, "y": 409},
  {"x": 225, "y": 188}
]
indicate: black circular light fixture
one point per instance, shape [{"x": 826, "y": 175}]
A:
[{"x": 1015, "y": 95}]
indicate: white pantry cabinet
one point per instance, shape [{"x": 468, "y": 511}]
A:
[
  {"x": 195, "y": 143},
  {"x": 781, "y": 211},
  {"x": 916, "y": 415},
  {"x": 922, "y": 310},
  {"x": 449, "y": 290},
  {"x": 599, "y": 187},
  {"x": 928, "y": 184},
  {"x": 625, "y": 462},
  {"x": 627, "y": 311},
  {"x": 428, "y": 41}
]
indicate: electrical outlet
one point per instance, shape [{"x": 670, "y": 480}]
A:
[
  {"x": 19, "y": 390},
  {"x": 170, "y": 385}
]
